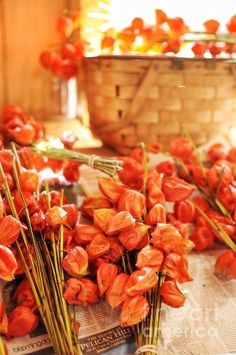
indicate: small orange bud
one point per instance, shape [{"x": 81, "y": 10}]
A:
[
  {"x": 133, "y": 202},
  {"x": 121, "y": 222},
  {"x": 56, "y": 216},
  {"x": 110, "y": 188},
  {"x": 134, "y": 310},
  {"x": 106, "y": 274},
  {"x": 150, "y": 257},
  {"x": 171, "y": 294},
  {"x": 81, "y": 292},
  {"x": 8, "y": 264},
  {"x": 133, "y": 237},
  {"x": 116, "y": 292},
  {"x": 141, "y": 281},
  {"x": 98, "y": 246},
  {"x": 76, "y": 262},
  {"x": 3, "y": 319},
  {"x": 102, "y": 218},
  {"x": 22, "y": 321}
]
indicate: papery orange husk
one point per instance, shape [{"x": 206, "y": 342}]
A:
[
  {"x": 231, "y": 156},
  {"x": 72, "y": 214},
  {"x": 8, "y": 264},
  {"x": 132, "y": 238},
  {"x": 3, "y": 319},
  {"x": 176, "y": 189},
  {"x": 157, "y": 214},
  {"x": 150, "y": 257},
  {"x": 167, "y": 238},
  {"x": 81, "y": 292},
  {"x": 84, "y": 233},
  {"x": 22, "y": 135},
  {"x": 25, "y": 298},
  {"x": 29, "y": 180},
  {"x": 227, "y": 196},
  {"x": 175, "y": 267},
  {"x": 133, "y": 202},
  {"x": 116, "y": 292},
  {"x": 99, "y": 246},
  {"x": 116, "y": 249},
  {"x": 201, "y": 203},
  {"x": 54, "y": 197},
  {"x": 154, "y": 192},
  {"x": 56, "y": 216},
  {"x": 92, "y": 203},
  {"x": 197, "y": 173},
  {"x": 184, "y": 211},
  {"x": 22, "y": 287},
  {"x": 103, "y": 217},
  {"x": 181, "y": 148},
  {"x": 110, "y": 188},
  {"x": 202, "y": 238},
  {"x": 211, "y": 25},
  {"x": 161, "y": 17},
  {"x": 9, "y": 230},
  {"x": 226, "y": 264},
  {"x": 106, "y": 274},
  {"x": 220, "y": 174},
  {"x": 38, "y": 221},
  {"x": 22, "y": 321},
  {"x": 141, "y": 281},
  {"x": 75, "y": 263},
  {"x": 134, "y": 310},
  {"x": 121, "y": 222},
  {"x": 171, "y": 294}
]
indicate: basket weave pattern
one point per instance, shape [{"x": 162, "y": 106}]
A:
[{"x": 145, "y": 99}]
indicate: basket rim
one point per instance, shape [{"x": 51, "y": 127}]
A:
[{"x": 157, "y": 57}]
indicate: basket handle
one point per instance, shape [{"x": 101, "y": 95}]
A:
[{"x": 136, "y": 104}]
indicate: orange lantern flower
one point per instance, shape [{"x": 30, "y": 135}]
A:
[
  {"x": 116, "y": 292},
  {"x": 9, "y": 230},
  {"x": 211, "y": 25},
  {"x": 72, "y": 214},
  {"x": 106, "y": 274},
  {"x": 220, "y": 172},
  {"x": 181, "y": 148},
  {"x": 161, "y": 17},
  {"x": 84, "y": 233},
  {"x": 141, "y": 281},
  {"x": 3, "y": 319},
  {"x": 133, "y": 237},
  {"x": 8, "y": 264},
  {"x": 92, "y": 203},
  {"x": 133, "y": 202},
  {"x": 134, "y": 310},
  {"x": 165, "y": 167},
  {"x": 29, "y": 180},
  {"x": 150, "y": 257},
  {"x": 56, "y": 216},
  {"x": 171, "y": 294},
  {"x": 202, "y": 238},
  {"x": 121, "y": 222},
  {"x": 22, "y": 321},
  {"x": 157, "y": 214},
  {"x": 116, "y": 249},
  {"x": 184, "y": 211},
  {"x": 103, "y": 217},
  {"x": 111, "y": 189},
  {"x": 131, "y": 173},
  {"x": 226, "y": 264},
  {"x": 75, "y": 263},
  {"x": 81, "y": 292},
  {"x": 99, "y": 246},
  {"x": 176, "y": 189},
  {"x": 175, "y": 267}
]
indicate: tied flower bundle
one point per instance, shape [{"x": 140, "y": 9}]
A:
[
  {"x": 213, "y": 174},
  {"x": 33, "y": 228},
  {"x": 130, "y": 255}
]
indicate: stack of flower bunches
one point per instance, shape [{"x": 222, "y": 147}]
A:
[
  {"x": 35, "y": 228},
  {"x": 214, "y": 177},
  {"x": 128, "y": 254}
]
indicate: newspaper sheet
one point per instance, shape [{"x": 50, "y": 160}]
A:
[{"x": 206, "y": 325}]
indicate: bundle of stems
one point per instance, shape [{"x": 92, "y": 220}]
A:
[
  {"x": 202, "y": 36},
  {"x": 2, "y": 347},
  {"x": 107, "y": 165},
  {"x": 44, "y": 271}
]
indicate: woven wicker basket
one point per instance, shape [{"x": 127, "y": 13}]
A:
[{"x": 133, "y": 99}]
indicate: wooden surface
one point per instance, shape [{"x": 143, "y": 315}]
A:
[{"x": 27, "y": 27}]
